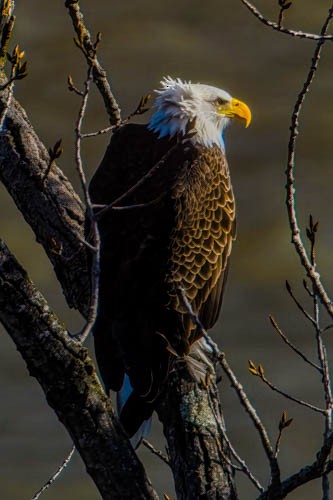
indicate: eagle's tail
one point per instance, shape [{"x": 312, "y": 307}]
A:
[{"x": 134, "y": 413}]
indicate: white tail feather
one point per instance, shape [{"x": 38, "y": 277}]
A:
[{"x": 122, "y": 396}]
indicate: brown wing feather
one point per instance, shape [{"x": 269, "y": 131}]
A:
[{"x": 202, "y": 239}]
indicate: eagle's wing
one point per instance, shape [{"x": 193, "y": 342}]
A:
[
  {"x": 134, "y": 253},
  {"x": 201, "y": 242}
]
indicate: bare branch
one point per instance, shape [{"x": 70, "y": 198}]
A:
[
  {"x": 158, "y": 166},
  {"x": 99, "y": 132},
  {"x": 156, "y": 452},
  {"x": 89, "y": 50},
  {"x": 306, "y": 474},
  {"x": 322, "y": 355},
  {"x": 71, "y": 385},
  {"x": 291, "y": 206},
  {"x": 278, "y": 27},
  {"x": 259, "y": 372},
  {"x": 283, "y": 424},
  {"x": 242, "y": 464},
  {"x": 292, "y": 346},
  {"x": 95, "y": 247},
  {"x": 55, "y": 476},
  {"x": 299, "y": 305}
]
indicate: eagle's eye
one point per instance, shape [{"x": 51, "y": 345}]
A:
[{"x": 219, "y": 101}]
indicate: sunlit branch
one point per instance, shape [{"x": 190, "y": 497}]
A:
[
  {"x": 54, "y": 476},
  {"x": 278, "y": 27},
  {"x": 291, "y": 204},
  {"x": 260, "y": 373}
]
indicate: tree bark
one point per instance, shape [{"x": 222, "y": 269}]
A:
[
  {"x": 49, "y": 205},
  {"x": 192, "y": 422},
  {"x": 71, "y": 386}
]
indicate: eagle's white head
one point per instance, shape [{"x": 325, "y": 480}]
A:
[{"x": 182, "y": 105}]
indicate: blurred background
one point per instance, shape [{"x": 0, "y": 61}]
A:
[{"x": 217, "y": 42}]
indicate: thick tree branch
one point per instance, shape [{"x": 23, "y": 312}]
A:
[
  {"x": 71, "y": 386},
  {"x": 192, "y": 421},
  {"x": 51, "y": 207}
]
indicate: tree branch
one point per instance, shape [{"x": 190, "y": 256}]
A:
[
  {"x": 71, "y": 385},
  {"x": 291, "y": 206},
  {"x": 192, "y": 422},
  {"x": 89, "y": 50},
  {"x": 278, "y": 27},
  {"x": 52, "y": 208}
]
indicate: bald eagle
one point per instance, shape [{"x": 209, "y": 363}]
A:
[{"x": 169, "y": 233}]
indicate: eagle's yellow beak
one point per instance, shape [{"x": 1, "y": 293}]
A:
[
  {"x": 236, "y": 109},
  {"x": 241, "y": 111}
]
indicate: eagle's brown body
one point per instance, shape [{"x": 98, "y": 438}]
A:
[{"x": 177, "y": 235}]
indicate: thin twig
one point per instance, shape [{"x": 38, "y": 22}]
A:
[
  {"x": 298, "y": 304},
  {"x": 156, "y": 452},
  {"x": 89, "y": 50},
  {"x": 328, "y": 327},
  {"x": 275, "y": 26},
  {"x": 291, "y": 204},
  {"x": 322, "y": 355},
  {"x": 242, "y": 464},
  {"x": 159, "y": 165},
  {"x": 288, "y": 396},
  {"x": 7, "y": 105},
  {"x": 95, "y": 269},
  {"x": 55, "y": 475},
  {"x": 99, "y": 132},
  {"x": 10, "y": 85},
  {"x": 292, "y": 346}
]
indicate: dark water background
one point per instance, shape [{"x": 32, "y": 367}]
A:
[{"x": 216, "y": 42}]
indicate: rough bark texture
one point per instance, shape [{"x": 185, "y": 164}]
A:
[
  {"x": 71, "y": 385},
  {"x": 192, "y": 421},
  {"x": 51, "y": 207}
]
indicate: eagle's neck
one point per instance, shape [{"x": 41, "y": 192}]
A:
[{"x": 172, "y": 119}]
